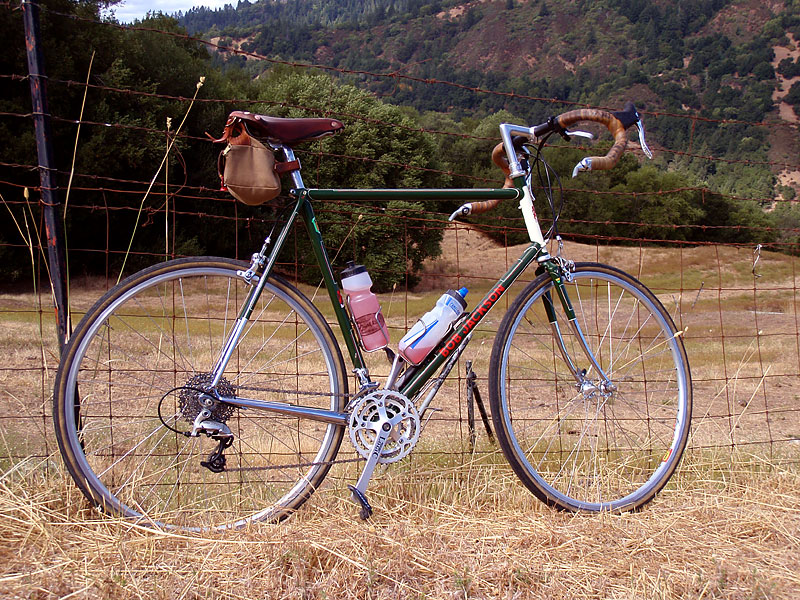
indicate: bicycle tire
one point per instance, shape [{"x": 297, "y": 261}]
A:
[
  {"x": 125, "y": 395},
  {"x": 584, "y": 449}
]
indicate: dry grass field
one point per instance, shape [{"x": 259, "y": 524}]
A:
[{"x": 451, "y": 523}]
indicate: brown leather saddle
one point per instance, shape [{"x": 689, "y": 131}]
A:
[{"x": 284, "y": 131}]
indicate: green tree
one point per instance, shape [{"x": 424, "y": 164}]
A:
[
  {"x": 793, "y": 97},
  {"x": 543, "y": 10},
  {"x": 381, "y": 147},
  {"x": 786, "y": 218}
]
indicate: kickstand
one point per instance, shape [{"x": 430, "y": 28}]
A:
[{"x": 474, "y": 397}]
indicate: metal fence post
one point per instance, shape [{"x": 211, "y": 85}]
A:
[{"x": 49, "y": 190}]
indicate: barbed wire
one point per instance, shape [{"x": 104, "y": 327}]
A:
[
  {"x": 493, "y": 181},
  {"x": 654, "y": 145},
  {"x": 738, "y": 326},
  {"x": 343, "y": 210},
  {"x": 397, "y": 75}
]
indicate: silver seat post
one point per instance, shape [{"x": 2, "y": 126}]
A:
[{"x": 297, "y": 180}]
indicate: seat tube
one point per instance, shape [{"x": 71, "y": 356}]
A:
[
  {"x": 334, "y": 292},
  {"x": 318, "y": 246},
  {"x": 297, "y": 179}
]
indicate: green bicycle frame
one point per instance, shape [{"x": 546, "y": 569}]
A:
[
  {"x": 304, "y": 204},
  {"x": 416, "y": 377},
  {"x": 303, "y": 208}
]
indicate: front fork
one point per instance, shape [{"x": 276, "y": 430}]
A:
[{"x": 560, "y": 272}]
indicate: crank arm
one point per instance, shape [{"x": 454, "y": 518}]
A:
[{"x": 359, "y": 490}]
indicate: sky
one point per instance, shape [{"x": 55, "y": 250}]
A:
[{"x": 128, "y": 10}]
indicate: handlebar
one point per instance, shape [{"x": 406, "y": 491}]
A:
[{"x": 617, "y": 123}]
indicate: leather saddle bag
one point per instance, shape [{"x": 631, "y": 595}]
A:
[{"x": 247, "y": 167}]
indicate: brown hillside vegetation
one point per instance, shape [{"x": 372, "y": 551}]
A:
[
  {"x": 743, "y": 20},
  {"x": 782, "y": 52},
  {"x": 784, "y": 145}
]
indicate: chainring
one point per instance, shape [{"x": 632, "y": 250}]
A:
[{"x": 368, "y": 415}]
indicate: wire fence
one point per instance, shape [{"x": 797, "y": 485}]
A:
[{"x": 738, "y": 303}]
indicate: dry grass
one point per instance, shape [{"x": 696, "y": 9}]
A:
[
  {"x": 725, "y": 530},
  {"x": 447, "y": 524}
]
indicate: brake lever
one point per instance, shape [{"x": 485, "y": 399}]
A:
[
  {"x": 463, "y": 211},
  {"x": 586, "y": 163},
  {"x": 642, "y": 142},
  {"x": 578, "y": 133}
]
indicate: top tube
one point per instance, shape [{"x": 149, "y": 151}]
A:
[
  {"x": 453, "y": 194},
  {"x": 467, "y": 194}
]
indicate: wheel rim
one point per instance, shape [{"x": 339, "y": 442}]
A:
[
  {"x": 158, "y": 337},
  {"x": 584, "y": 447}
]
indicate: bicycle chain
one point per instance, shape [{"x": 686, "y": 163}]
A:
[
  {"x": 297, "y": 465},
  {"x": 347, "y": 397}
]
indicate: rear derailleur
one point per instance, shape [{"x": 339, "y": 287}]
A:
[
  {"x": 216, "y": 460},
  {"x": 201, "y": 406},
  {"x": 217, "y": 431}
]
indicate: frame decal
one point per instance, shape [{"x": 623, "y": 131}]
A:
[{"x": 474, "y": 318}]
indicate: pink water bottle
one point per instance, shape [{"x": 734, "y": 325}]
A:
[{"x": 364, "y": 307}]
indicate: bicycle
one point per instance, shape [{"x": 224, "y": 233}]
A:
[{"x": 208, "y": 393}]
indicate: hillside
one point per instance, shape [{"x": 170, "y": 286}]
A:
[
  {"x": 715, "y": 59},
  {"x": 566, "y": 50},
  {"x": 727, "y": 69}
]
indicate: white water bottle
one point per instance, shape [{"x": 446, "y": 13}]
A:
[
  {"x": 433, "y": 326},
  {"x": 364, "y": 307}
]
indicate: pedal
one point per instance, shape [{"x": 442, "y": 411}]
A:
[{"x": 366, "y": 510}]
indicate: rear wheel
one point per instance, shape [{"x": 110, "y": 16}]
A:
[
  {"x": 575, "y": 441},
  {"x": 130, "y": 386}
]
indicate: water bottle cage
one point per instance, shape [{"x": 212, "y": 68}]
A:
[
  {"x": 357, "y": 330},
  {"x": 454, "y": 326}
]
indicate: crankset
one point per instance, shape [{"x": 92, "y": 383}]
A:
[{"x": 384, "y": 428}]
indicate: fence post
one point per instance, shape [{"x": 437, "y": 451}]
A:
[{"x": 49, "y": 191}]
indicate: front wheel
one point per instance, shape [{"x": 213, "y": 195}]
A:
[
  {"x": 131, "y": 384},
  {"x": 579, "y": 437}
]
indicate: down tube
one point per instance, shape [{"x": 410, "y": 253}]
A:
[{"x": 413, "y": 386}]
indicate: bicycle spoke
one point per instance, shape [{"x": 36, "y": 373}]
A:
[
  {"x": 154, "y": 352},
  {"x": 599, "y": 446}
]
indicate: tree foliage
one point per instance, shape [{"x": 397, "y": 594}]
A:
[
  {"x": 647, "y": 45},
  {"x": 381, "y": 147},
  {"x": 384, "y": 143}
]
